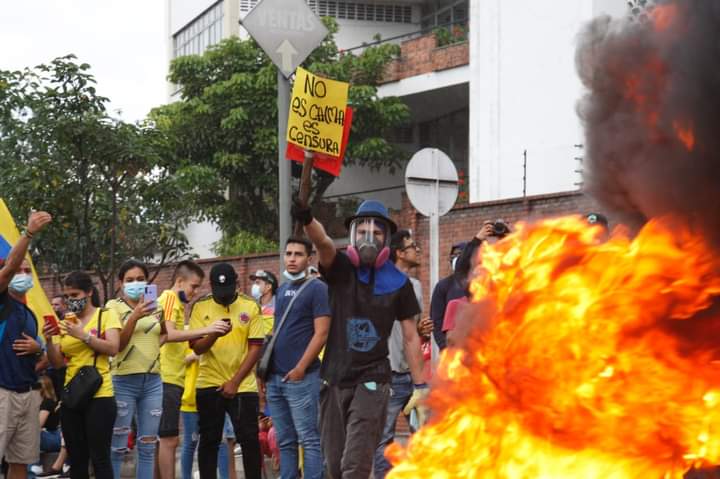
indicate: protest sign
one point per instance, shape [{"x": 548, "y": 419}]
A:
[
  {"x": 317, "y": 113},
  {"x": 328, "y": 163}
]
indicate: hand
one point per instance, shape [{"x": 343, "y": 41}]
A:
[
  {"x": 219, "y": 327},
  {"x": 300, "y": 212},
  {"x": 295, "y": 374},
  {"x": 143, "y": 308},
  {"x": 417, "y": 402},
  {"x": 75, "y": 330},
  {"x": 49, "y": 330},
  {"x": 229, "y": 389},
  {"x": 26, "y": 346},
  {"x": 425, "y": 327},
  {"x": 37, "y": 221},
  {"x": 191, "y": 358},
  {"x": 261, "y": 386},
  {"x": 486, "y": 231}
]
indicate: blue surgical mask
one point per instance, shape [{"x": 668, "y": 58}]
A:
[
  {"x": 21, "y": 283},
  {"x": 135, "y": 289},
  {"x": 256, "y": 292},
  {"x": 183, "y": 297},
  {"x": 294, "y": 277}
]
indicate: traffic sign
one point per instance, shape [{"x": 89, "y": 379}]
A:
[
  {"x": 287, "y": 30},
  {"x": 431, "y": 181}
]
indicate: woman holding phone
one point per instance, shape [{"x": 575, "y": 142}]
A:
[
  {"x": 89, "y": 336},
  {"x": 136, "y": 369}
]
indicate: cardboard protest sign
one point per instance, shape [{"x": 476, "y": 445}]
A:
[
  {"x": 327, "y": 163},
  {"x": 317, "y": 113}
]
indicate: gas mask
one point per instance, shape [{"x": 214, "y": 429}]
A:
[{"x": 369, "y": 242}]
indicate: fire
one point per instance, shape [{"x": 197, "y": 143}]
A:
[
  {"x": 663, "y": 16},
  {"x": 586, "y": 359},
  {"x": 685, "y": 135}
]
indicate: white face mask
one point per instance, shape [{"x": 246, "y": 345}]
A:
[
  {"x": 256, "y": 292},
  {"x": 294, "y": 277}
]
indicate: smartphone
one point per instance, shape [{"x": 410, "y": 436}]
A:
[
  {"x": 151, "y": 295},
  {"x": 50, "y": 319}
]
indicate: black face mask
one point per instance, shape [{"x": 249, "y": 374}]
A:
[{"x": 225, "y": 299}]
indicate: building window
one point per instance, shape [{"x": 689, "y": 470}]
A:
[
  {"x": 363, "y": 11},
  {"x": 202, "y": 32}
]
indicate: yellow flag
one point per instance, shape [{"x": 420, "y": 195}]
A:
[
  {"x": 317, "y": 113},
  {"x": 37, "y": 299}
]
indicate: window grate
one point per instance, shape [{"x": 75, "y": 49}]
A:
[{"x": 369, "y": 12}]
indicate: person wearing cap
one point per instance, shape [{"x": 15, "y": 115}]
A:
[
  {"x": 263, "y": 289},
  {"x": 368, "y": 294},
  {"x": 226, "y": 381},
  {"x": 447, "y": 289},
  {"x": 597, "y": 219}
]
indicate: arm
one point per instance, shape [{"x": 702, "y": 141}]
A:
[
  {"x": 322, "y": 326},
  {"x": 175, "y": 335},
  {"x": 229, "y": 389},
  {"x": 36, "y": 222},
  {"x": 413, "y": 353},
  {"x": 57, "y": 360},
  {"x": 316, "y": 232},
  {"x": 203, "y": 345},
  {"x": 437, "y": 313},
  {"x": 108, "y": 346}
]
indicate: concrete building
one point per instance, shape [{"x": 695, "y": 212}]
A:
[{"x": 494, "y": 87}]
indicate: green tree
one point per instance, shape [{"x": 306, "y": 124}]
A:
[
  {"x": 102, "y": 179},
  {"x": 223, "y": 129}
]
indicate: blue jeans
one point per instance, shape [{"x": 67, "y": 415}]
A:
[
  {"x": 138, "y": 396},
  {"x": 294, "y": 408},
  {"x": 191, "y": 435},
  {"x": 401, "y": 389}
]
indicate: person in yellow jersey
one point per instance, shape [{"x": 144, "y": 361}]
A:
[
  {"x": 226, "y": 379},
  {"x": 186, "y": 280},
  {"x": 136, "y": 370},
  {"x": 89, "y": 336}
]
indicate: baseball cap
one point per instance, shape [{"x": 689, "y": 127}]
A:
[
  {"x": 597, "y": 218},
  {"x": 264, "y": 275},
  {"x": 223, "y": 279}
]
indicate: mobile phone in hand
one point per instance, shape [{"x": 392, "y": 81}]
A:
[
  {"x": 151, "y": 295},
  {"x": 50, "y": 319}
]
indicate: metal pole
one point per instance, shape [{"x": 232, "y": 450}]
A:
[
  {"x": 435, "y": 228},
  {"x": 283, "y": 106}
]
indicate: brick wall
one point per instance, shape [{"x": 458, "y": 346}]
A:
[
  {"x": 459, "y": 224},
  {"x": 421, "y": 55}
]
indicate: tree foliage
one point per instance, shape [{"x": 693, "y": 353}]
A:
[
  {"x": 103, "y": 180},
  {"x": 223, "y": 130}
]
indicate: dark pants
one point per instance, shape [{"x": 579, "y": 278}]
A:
[
  {"x": 243, "y": 411},
  {"x": 88, "y": 435},
  {"x": 351, "y": 425}
]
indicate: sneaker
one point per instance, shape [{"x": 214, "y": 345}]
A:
[
  {"x": 36, "y": 469},
  {"x": 65, "y": 474},
  {"x": 49, "y": 474}
]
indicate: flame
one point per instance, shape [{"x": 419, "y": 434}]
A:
[
  {"x": 586, "y": 359},
  {"x": 663, "y": 16},
  {"x": 685, "y": 134}
]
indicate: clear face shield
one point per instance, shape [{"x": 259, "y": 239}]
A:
[{"x": 369, "y": 236}]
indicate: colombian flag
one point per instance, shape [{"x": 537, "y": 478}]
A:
[{"x": 9, "y": 234}]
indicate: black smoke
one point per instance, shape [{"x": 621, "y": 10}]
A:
[{"x": 648, "y": 84}]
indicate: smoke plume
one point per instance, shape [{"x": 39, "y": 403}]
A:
[{"x": 652, "y": 114}]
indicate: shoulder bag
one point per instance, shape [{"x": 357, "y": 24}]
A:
[
  {"x": 263, "y": 366},
  {"x": 86, "y": 382}
]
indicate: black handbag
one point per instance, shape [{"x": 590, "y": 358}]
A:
[
  {"x": 263, "y": 366},
  {"x": 82, "y": 387}
]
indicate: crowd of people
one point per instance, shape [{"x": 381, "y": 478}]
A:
[{"x": 313, "y": 372}]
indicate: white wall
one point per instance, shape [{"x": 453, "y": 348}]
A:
[
  {"x": 201, "y": 237},
  {"x": 181, "y": 12},
  {"x": 523, "y": 91}
]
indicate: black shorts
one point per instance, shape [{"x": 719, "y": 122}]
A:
[{"x": 170, "y": 419}]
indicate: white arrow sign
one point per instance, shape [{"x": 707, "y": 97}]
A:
[
  {"x": 287, "y": 52},
  {"x": 287, "y": 31}
]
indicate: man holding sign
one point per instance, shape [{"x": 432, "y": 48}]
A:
[{"x": 317, "y": 113}]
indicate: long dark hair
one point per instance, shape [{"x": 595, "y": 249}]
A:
[
  {"x": 130, "y": 264},
  {"x": 82, "y": 281}
]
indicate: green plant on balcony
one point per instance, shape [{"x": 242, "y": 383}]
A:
[{"x": 445, "y": 36}]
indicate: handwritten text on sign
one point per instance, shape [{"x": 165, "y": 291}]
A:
[{"x": 317, "y": 113}]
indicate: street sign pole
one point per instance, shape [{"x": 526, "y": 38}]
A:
[
  {"x": 283, "y": 106},
  {"x": 435, "y": 229}
]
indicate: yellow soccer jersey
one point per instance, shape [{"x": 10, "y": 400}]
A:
[
  {"x": 79, "y": 354},
  {"x": 222, "y": 361},
  {"x": 142, "y": 353},
  {"x": 172, "y": 355}
]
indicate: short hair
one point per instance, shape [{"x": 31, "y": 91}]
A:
[
  {"x": 58, "y": 295},
  {"x": 130, "y": 264},
  {"x": 299, "y": 240},
  {"x": 397, "y": 242},
  {"x": 185, "y": 268}
]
